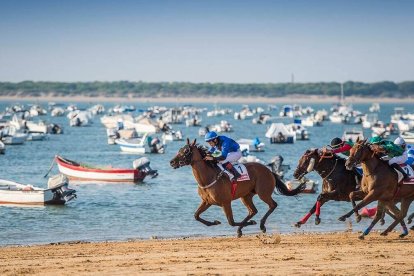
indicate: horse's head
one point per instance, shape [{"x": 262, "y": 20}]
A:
[
  {"x": 358, "y": 153},
  {"x": 184, "y": 155},
  {"x": 306, "y": 163}
]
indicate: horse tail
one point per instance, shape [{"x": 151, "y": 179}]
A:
[{"x": 283, "y": 189}]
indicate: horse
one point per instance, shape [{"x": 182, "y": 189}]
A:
[
  {"x": 214, "y": 189},
  {"x": 379, "y": 183},
  {"x": 338, "y": 182}
]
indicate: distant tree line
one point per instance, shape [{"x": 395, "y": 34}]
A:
[{"x": 177, "y": 89}]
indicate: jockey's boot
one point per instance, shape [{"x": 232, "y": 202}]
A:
[
  {"x": 229, "y": 167},
  {"x": 401, "y": 170}
]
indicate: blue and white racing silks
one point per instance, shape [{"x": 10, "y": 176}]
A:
[
  {"x": 410, "y": 153},
  {"x": 225, "y": 145}
]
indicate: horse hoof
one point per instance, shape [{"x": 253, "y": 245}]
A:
[
  {"x": 216, "y": 222},
  {"x": 239, "y": 234},
  {"x": 317, "y": 221},
  {"x": 382, "y": 222},
  {"x": 412, "y": 228},
  {"x": 263, "y": 229},
  {"x": 409, "y": 221},
  {"x": 358, "y": 219},
  {"x": 402, "y": 235},
  {"x": 343, "y": 218},
  {"x": 362, "y": 237},
  {"x": 384, "y": 234},
  {"x": 252, "y": 222},
  {"x": 298, "y": 224}
]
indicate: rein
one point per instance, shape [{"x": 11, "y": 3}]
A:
[{"x": 334, "y": 167}]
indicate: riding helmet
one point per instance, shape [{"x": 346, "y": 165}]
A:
[
  {"x": 399, "y": 141},
  {"x": 336, "y": 142},
  {"x": 210, "y": 136}
]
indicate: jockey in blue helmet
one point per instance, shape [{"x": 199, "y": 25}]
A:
[{"x": 229, "y": 152}]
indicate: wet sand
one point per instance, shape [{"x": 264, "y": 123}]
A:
[{"x": 299, "y": 254}]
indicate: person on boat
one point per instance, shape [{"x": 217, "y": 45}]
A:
[
  {"x": 395, "y": 152},
  {"x": 225, "y": 150}
]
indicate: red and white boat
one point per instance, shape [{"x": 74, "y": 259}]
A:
[{"x": 82, "y": 172}]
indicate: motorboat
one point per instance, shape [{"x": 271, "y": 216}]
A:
[
  {"x": 251, "y": 145},
  {"x": 408, "y": 136},
  {"x": 279, "y": 133},
  {"x": 86, "y": 172},
  {"x": 57, "y": 192},
  {"x": 352, "y": 135}
]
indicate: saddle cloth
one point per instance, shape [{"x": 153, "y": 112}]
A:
[
  {"x": 242, "y": 171},
  {"x": 409, "y": 171}
]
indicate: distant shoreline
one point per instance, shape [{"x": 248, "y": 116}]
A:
[{"x": 302, "y": 99}]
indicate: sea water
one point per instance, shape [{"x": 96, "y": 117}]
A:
[{"x": 163, "y": 206}]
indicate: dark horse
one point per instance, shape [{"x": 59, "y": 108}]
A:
[
  {"x": 338, "y": 182},
  {"x": 379, "y": 182},
  {"x": 215, "y": 190}
]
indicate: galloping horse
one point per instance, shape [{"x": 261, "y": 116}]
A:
[
  {"x": 379, "y": 182},
  {"x": 338, "y": 182},
  {"x": 215, "y": 190}
]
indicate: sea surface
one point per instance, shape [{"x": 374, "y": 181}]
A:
[{"x": 163, "y": 206}]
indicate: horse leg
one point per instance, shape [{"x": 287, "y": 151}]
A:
[
  {"x": 229, "y": 214},
  {"x": 378, "y": 215},
  {"x": 201, "y": 208},
  {"x": 272, "y": 206},
  {"x": 400, "y": 215},
  {"x": 248, "y": 202},
  {"x": 403, "y": 226},
  {"x": 306, "y": 217},
  {"x": 410, "y": 218},
  {"x": 370, "y": 197},
  {"x": 352, "y": 196}
]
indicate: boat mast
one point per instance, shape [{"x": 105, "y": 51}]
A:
[{"x": 342, "y": 93}]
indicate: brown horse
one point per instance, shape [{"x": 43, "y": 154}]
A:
[
  {"x": 216, "y": 190},
  {"x": 338, "y": 182},
  {"x": 379, "y": 182}
]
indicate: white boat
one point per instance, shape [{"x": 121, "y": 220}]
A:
[
  {"x": 279, "y": 133},
  {"x": 250, "y": 145},
  {"x": 37, "y": 127},
  {"x": 57, "y": 192},
  {"x": 408, "y": 136},
  {"x": 337, "y": 118},
  {"x": 36, "y": 136},
  {"x": 375, "y": 107},
  {"x": 2, "y": 148},
  {"x": 135, "y": 145},
  {"x": 172, "y": 136},
  {"x": 352, "y": 135},
  {"x": 82, "y": 172},
  {"x": 16, "y": 139}
]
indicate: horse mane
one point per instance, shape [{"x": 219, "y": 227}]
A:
[{"x": 204, "y": 152}]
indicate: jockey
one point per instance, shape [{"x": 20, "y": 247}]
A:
[
  {"x": 344, "y": 147},
  {"x": 230, "y": 152},
  {"x": 340, "y": 146},
  {"x": 395, "y": 151}
]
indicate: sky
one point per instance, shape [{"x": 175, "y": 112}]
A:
[{"x": 207, "y": 41}]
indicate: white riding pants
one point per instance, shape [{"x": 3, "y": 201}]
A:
[{"x": 232, "y": 157}]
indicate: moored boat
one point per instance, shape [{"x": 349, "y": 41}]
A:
[
  {"x": 12, "y": 192},
  {"x": 82, "y": 172}
]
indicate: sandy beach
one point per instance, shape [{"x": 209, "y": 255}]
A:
[
  {"x": 302, "y": 99},
  {"x": 299, "y": 254}
]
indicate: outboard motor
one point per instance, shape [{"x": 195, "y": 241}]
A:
[
  {"x": 143, "y": 164},
  {"x": 112, "y": 134},
  {"x": 59, "y": 186},
  {"x": 277, "y": 166}
]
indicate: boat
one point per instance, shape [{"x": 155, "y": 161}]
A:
[
  {"x": 85, "y": 172},
  {"x": 408, "y": 136},
  {"x": 375, "y": 107},
  {"x": 352, "y": 135},
  {"x": 2, "y": 147},
  {"x": 250, "y": 145},
  {"x": 57, "y": 192},
  {"x": 310, "y": 188},
  {"x": 278, "y": 133},
  {"x": 135, "y": 145}
]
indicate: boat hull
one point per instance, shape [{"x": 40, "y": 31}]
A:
[{"x": 109, "y": 175}]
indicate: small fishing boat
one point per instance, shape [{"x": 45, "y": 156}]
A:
[
  {"x": 310, "y": 188},
  {"x": 57, "y": 192},
  {"x": 2, "y": 147},
  {"x": 85, "y": 172}
]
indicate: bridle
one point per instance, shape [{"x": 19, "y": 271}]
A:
[{"x": 313, "y": 164}]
